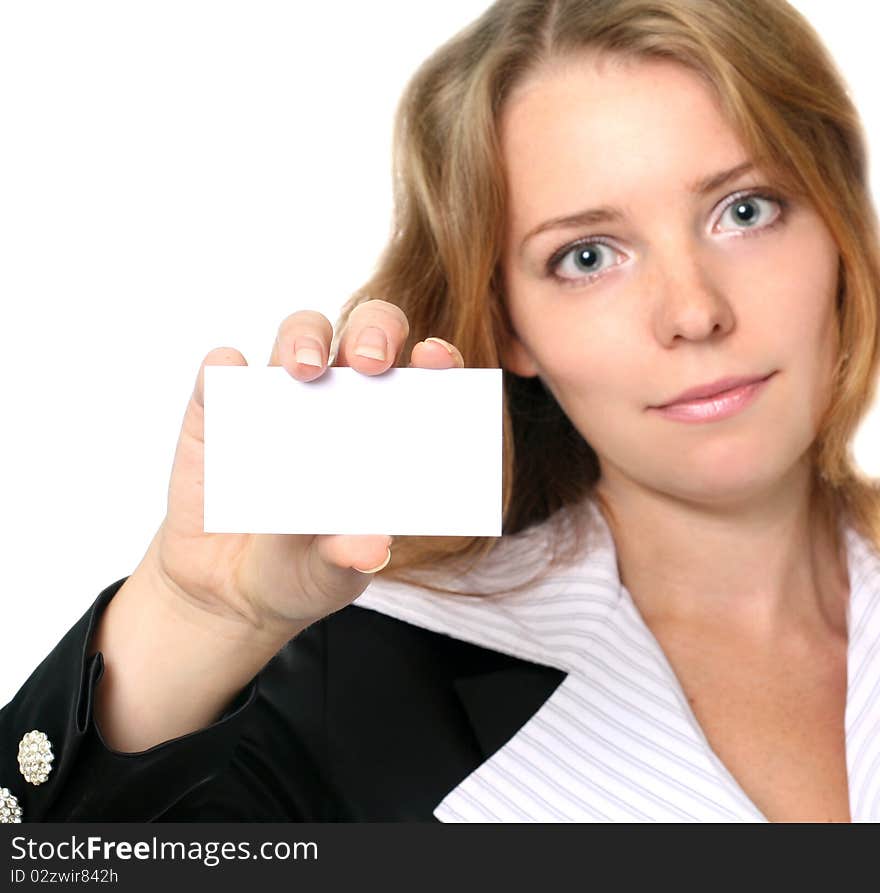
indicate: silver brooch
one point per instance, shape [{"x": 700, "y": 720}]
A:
[
  {"x": 35, "y": 756},
  {"x": 10, "y": 811}
]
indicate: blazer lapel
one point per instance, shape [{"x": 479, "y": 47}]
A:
[{"x": 499, "y": 703}]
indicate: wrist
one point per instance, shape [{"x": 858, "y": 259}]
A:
[
  {"x": 170, "y": 667},
  {"x": 224, "y": 616},
  {"x": 205, "y": 623}
]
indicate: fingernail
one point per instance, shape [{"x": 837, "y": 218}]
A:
[
  {"x": 372, "y": 343},
  {"x": 443, "y": 343},
  {"x": 306, "y": 352},
  {"x": 374, "y": 570}
]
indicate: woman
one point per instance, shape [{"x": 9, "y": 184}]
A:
[{"x": 655, "y": 217}]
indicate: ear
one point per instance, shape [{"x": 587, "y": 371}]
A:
[{"x": 516, "y": 358}]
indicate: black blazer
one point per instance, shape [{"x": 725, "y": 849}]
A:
[{"x": 361, "y": 717}]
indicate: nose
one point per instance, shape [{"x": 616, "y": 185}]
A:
[{"x": 690, "y": 304}]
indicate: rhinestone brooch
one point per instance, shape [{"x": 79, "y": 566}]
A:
[
  {"x": 10, "y": 811},
  {"x": 35, "y": 756}
]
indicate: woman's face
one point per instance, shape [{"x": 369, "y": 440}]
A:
[{"x": 680, "y": 289}]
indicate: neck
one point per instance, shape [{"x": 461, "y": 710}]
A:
[{"x": 768, "y": 567}]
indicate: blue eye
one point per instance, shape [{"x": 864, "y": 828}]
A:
[
  {"x": 749, "y": 211},
  {"x": 590, "y": 258}
]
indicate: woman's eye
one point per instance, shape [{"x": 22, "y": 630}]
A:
[
  {"x": 752, "y": 212},
  {"x": 583, "y": 261}
]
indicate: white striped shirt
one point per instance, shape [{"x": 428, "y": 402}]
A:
[{"x": 617, "y": 740}]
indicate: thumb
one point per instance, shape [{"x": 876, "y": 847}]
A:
[{"x": 219, "y": 356}]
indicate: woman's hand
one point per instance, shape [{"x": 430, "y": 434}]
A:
[{"x": 280, "y": 583}]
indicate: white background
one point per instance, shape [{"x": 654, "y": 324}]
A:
[{"x": 174, "y": 177}]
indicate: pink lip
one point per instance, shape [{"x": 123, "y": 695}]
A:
[
  {"x": 713, "y": 388},
  {"x": 725, "y": 398}
]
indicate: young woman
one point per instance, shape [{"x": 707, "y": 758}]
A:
[{"x": 655, "y": 217}]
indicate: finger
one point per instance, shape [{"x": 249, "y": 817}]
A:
[
  {"x": 219, "y": 356},
  {"x": 435, "y": 353},
  {"x": 374, "y": 335},
  {"x": 365, "y": 554},
  {"x": 302, "y": 344}
]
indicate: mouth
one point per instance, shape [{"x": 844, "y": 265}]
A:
[
  {"x": 725, "y": 398},
  {"x": 712, "y": 389}
]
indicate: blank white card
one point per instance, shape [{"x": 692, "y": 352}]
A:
[{"x": 410, "y": 451}]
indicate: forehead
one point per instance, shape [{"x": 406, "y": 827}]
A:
[{"x": 598, "y": 129}]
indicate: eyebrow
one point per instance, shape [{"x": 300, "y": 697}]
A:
[{"x": 610, "y": 214}]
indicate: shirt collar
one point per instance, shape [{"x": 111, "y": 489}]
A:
[{"x": 617, "y": 740}]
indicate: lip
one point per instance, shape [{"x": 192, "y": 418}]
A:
[
  {"x": 724, "y": 399},
  {"x": 712, "y": 389}
]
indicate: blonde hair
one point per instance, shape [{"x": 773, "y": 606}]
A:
[{"x": 784, "y": 97}]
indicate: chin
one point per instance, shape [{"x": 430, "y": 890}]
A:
[
  {"x": 727, "y": 468},
  {"x": 732, "y": 484}
]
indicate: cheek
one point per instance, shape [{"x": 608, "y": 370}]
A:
[
  {"x": 790, "y": 291},
  {"x": 579, "y": 338},
  {"x": 587, "y": 362},
  {"x": 597, "y": 384},
  {"x": 802, "y": 315},
  {"x": 596, "y": 356}
]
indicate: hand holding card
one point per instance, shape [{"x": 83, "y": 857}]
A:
[{"x": 281, "y": 514}]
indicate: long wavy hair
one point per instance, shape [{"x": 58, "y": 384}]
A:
[{"x": 782, "y": 93}]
